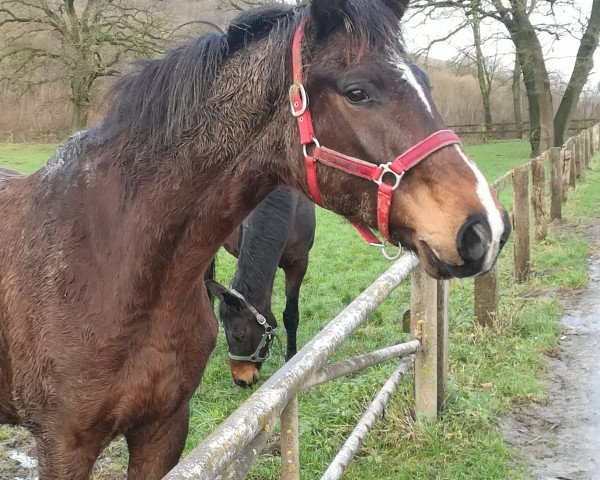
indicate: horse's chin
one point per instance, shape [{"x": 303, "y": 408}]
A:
[{"x": 440, "y": 270}]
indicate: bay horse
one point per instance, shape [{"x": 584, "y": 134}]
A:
[
  {"x": 105, "y": 321},
  {"x": 279, "y": 233}
]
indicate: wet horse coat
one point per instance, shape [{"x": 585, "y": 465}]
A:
[{"x": 105, "y": 323}]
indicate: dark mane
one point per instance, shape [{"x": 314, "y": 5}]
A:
[{"x": 162, "y": 99}]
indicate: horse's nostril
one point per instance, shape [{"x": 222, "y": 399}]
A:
[
  {"x": 241, "y": 383},
  {"x": 473, "y": 239}
]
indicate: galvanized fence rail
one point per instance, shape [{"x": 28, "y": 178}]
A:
[{"x": 230, "y": 451}]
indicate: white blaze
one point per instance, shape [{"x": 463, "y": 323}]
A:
[
  {"x": 494, "y": 216},
  {"x": 411, "y": 79}
]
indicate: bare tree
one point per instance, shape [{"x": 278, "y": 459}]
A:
[
  {"x": 75, "y": 41},
  {"x": 242, "y": 5},
  {"x": 517, "y": 98},
  {"x": 516, "y": 16},
  {"x": 583, "y": 66}
]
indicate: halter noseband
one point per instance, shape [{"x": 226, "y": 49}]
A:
[
  {"x": 392, "y": 171},
  {"x": 267, "y": 337}
]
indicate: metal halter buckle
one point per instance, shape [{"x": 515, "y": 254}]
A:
[
  {"x": 387, "y": 168},
  {"x": 298, "y": 110}
]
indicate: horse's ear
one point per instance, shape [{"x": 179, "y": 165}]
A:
[
  {"x": 399, "y": 7},
  {"x": 326, "y": 15},
  {"x": 223, "y": 294}
]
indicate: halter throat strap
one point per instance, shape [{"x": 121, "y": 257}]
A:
[{"x": 386, "y": 175}]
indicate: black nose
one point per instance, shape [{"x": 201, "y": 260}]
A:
[
  {"x": 507, "y": 228},
  {"x": 473, "y": 239},
  {"x": 241, "y": 383}
]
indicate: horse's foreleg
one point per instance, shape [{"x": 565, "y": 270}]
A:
[
  {"x": 66, "y": 456},
  {"x": 294, "y": 275},
  {"x": 155, "y": 449}
]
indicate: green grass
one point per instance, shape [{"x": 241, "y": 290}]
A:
[
  {"x": 26, "y": 158},
  {"x": 498, "y": 157},
  {"x": 466, "y": 443}
]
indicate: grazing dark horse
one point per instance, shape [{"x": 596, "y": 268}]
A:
[
  {"x": 279, "y": 232},
  {"x": 105, "y": 321}
]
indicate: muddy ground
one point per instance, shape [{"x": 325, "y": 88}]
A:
[
  {"x": 560, "y": 438},
  {"x": 17, "y": 458}
]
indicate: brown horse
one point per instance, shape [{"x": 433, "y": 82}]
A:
[{"x": 105, "y": 323}]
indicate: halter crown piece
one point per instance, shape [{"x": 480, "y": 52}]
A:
[{"x": 392, "y": 171}]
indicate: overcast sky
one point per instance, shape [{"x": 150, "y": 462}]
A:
[{"x": 560, "y": 54}]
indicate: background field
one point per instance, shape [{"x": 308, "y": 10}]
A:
[{"x": 466, "y": 443}]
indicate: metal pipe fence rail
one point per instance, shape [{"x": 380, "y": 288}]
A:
[{"x": 229, "y": 452}]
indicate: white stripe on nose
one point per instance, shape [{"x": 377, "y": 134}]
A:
[{"x": 494, "y": 216}]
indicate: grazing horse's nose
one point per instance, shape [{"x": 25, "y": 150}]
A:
[
  {"x": 241, "y": 383},
  {"x": 474, "y": 238}
]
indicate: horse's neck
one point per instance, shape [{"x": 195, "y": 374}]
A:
[
  {"x": 264, "y": 239},
  {"x": 161, "y": 219}
]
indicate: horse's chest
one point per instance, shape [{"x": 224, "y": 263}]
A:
[{"x": 165, "y": 370}]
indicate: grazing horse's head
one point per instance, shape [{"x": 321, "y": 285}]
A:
[
  {"x": 369, "y": 101},
  {"x": 249, "y": 333}
]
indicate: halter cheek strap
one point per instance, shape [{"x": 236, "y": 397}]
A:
[{"x": 387, "y": 176}]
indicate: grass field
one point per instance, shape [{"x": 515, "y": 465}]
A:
[{"x": 466, "y": 443}]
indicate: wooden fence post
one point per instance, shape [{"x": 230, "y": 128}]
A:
[
  {"x": 588, "y": 143},
  {"x": 423, "y": 311},
  {"x": 486, "y": 298},
  {"x": 442, "y": 343},
  {"x": 568, "y": 160},
  {"x": 573, "y": 164},
  {"x": 289, "y": 443},
  {"x": 486, "y": 293},
  {"x": 522, "y": 247},
  {"x": 538, "y": 197},
  {"x": 556, "y": 183},
  {"x": 580, "y": 154}
]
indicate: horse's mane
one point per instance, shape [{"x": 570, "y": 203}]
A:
[{"x": 162, "y": 99}]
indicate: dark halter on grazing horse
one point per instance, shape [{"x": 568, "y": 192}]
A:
[
  {"x": 393, "y": 171},
  {"x": 267, "y": 337}
]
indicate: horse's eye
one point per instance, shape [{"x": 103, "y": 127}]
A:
[
  {"x": 240, "y": 336},
  {"x": 357, "y": 96}
]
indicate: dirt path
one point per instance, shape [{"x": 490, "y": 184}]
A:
[{"x": 561, "y": 439}]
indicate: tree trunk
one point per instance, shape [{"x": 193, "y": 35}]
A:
[
  {"x": 583, "y": 66},
  {"x": 537, "y": 82},
  {"x": 80, "y": 94},
  {"x": 79, "y": 117},
  {"x": 484, "y": 86},
  {"x": 516, "y": 92}
]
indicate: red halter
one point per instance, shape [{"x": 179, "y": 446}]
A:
[{"x": 394, "y": 170}]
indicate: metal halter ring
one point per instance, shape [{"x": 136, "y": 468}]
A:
[
  {"x": 385, "y": 253},
  {"x": 298, "y": 110},
  {"x": 315, "y": 142},
  {"x": 385, "y": 169}
]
